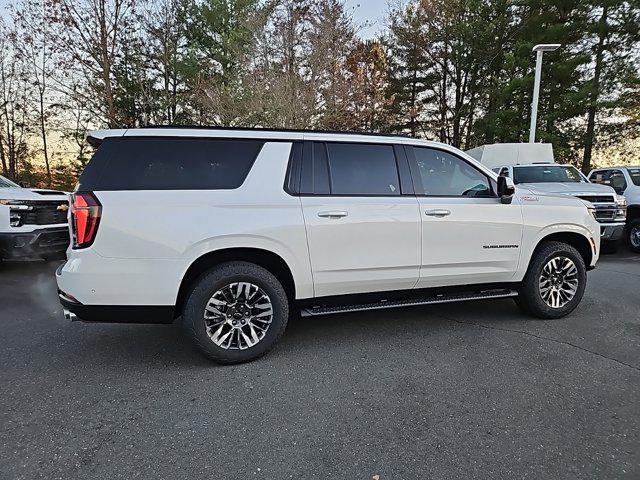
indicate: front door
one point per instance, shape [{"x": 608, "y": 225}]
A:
[
  {"x": 363, "y": 233},
  {"x": 468, "y": 235}
]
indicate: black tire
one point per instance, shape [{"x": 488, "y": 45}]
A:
[
  {"x": 529, "y": 297},
  {"x": 634, "y": 244},
  {"x": 216, "y": 279}
]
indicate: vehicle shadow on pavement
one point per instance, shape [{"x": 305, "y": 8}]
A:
[{"x": 317, "y": 338}]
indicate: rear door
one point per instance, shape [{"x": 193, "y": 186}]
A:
[
  {"x": 362, "y": 219},
  {"x": 468, "y": 235}
]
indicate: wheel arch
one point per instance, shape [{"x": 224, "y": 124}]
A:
[
  {"x": 577, "y": 240},
  {"x": 633, "y": 212},
  {"x": 266, "y": 259}
]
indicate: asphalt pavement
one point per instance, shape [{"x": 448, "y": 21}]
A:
[{"x": 457, "y": 391}]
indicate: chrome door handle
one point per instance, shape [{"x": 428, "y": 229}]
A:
[
  {"x": 333, "y": 214},
  {"x": 438, "y": 212}
]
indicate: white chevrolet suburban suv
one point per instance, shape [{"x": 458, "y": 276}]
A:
[{"x": 234, "y": 229}]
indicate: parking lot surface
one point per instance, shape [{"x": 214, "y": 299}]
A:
[{"x": 471, "y": 390}]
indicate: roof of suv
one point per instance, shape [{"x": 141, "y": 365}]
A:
[
  {"x": 96, "y": 137},
  {"x": 624, "y": 167}
]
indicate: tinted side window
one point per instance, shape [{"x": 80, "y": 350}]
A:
[
  {"x": 599, "y": 176},
  {"x": 444, "y": 174},
  {"x": 613, "y": 178},
  {"x": 618, "y": 181},
  {"x": 152, "y": 163},
  {"x": 362, "y": 169}
]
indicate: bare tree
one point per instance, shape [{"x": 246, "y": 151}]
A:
[
  {"x": 14, "y": 92},
  {"x": 90, "y": 33},
  {"x": 36, "y": 51},
  {"x": 332, "y": 40}
]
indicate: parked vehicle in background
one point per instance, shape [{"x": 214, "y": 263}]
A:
[
  {"x": 233, "y": 229},
  {"x": 532, "y": 166},
  {"x": 625, "y": 181},
  {"x": 33, "y": 222}
]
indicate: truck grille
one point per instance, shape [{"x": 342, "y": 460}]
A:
[
  {"x": 605, "y": 214},
  {"x": 598, "y": 198},
  {"x": 42, "y": 213},
  {"x": 605, "y": 205}
]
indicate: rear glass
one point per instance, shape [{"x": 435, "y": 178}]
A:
[{"x": 154, "y": 163}]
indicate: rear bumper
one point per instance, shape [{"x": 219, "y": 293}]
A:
[
  {"x": 38, "y": 243},
  {"x": 611, "y": 232},
  {"x": 115, "y": 313}
]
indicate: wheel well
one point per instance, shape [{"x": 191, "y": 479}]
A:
[
  {"x": 633, "y": 212},
  {"x": 577, "y": 241},
  {"x": 264, "y": 258}
]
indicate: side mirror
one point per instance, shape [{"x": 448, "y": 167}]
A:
[
  {"x": 24, "y": 184},
  {"x": 506, "y": 189}
]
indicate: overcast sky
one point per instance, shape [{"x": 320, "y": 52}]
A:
[
  {"x": 370, "y": 13},
  {"x": 367, "y": 13}
]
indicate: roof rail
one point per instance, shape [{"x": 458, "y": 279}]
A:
[{"x": 283, "y": 130}]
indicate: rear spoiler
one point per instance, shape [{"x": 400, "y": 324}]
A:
[
  {"x": 95, "y": 142},
  {"x": 95, "y": 137}
]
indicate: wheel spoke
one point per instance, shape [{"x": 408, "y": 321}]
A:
[
  {"x": 216, "y": 336},
  {"x": 249, "y": 342},
  {"x": 559, "y": 281},
  {"x": 238, "y": 315}
]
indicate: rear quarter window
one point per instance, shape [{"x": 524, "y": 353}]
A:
[{"x": 153, "y": 163}]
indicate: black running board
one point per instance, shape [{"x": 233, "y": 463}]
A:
[{"x": 382, "y": 304}]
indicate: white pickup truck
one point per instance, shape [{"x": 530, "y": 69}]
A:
[
  {"x": 33, "y": 222},
  {"x": 625, "y": 180},
  {"x": 232, "y": 230},
  {"x": 532, "y": 166}
]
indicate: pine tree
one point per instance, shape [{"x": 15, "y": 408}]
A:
[{"x": 612, "y": 46}]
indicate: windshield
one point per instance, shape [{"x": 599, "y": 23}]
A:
[
  {"x": 634, "y": 173},
  {"x": 4, "y": 183},
  {"x": 546, "y": 174}
]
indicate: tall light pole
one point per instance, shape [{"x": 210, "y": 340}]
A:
[{"x": 539, "y": 49}]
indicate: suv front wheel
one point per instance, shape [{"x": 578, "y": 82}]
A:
[
  {"x": 555, "y": 281},
  {"x": 633, "y": 232},
  {"x": 236, "y": 312}
]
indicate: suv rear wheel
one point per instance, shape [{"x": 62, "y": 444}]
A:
[
  {"x": 555, "y": 281},
  {"x": 236, "y": 312}
]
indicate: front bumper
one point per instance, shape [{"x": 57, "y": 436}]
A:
[
  {"x": 37, "y": 243},
  {"x": 611, "y": 232}
]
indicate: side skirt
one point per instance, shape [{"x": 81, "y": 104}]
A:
[{"x": 385, "y": 300}]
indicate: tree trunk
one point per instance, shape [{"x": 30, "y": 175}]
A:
[
  {"x": 443, "y": 93},
  {"x": 106, "y": 68},
  {"x": 589, "y": 138},
  {"x": 43, "y": 131},
  {"x": 3, "y": 157}
]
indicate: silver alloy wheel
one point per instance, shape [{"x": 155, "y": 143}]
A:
[
  {"x": 559, "y": 282},
  {"x": 238, "y": 316},
  {"x": 634, "y": 236}
]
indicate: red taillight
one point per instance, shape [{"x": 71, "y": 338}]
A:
[{"x": 85, "y": 217}]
